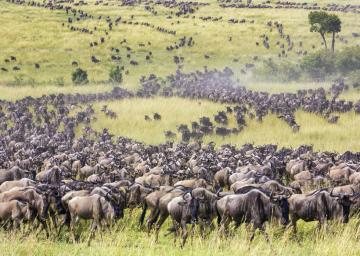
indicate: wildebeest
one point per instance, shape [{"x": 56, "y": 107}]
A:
[
  {"x": 14, "y": 173},
  {"x": 94, "y": 207},
  {"x": 321, "y": 206},
  {"x": 254, "y": 207},
  {"x": 183, "y": 210}
]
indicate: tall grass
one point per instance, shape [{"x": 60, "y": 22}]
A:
[{"x": 128, "y": 239}]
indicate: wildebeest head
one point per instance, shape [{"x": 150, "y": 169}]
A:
[
  {"x": 54, "y": 198},
  {"x": 134, "y": 196},
  {"x": 118, "y": 202},
  {"x": 345, "y": 201},
  {"x": 282, "y": 205},
  {"x": 192, "y": 205}
]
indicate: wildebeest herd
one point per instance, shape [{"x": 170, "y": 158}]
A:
[
  {"x": 53, "y": 173},
  {"x": 79, "y": 18}
]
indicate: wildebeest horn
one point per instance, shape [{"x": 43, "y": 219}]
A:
[
  {"x": 183, "y": 196},
  {"x": 331, "y": 193}
]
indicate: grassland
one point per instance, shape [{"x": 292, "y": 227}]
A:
[
  {"x": 37, "y": 35},
  {"x": 314, "y": 129},
  {"x": 338, "y": 240}
]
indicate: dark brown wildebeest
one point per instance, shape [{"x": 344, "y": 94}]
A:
[
  {"x": 254, "y": 208},
  {"x": 183, "y": 210},
  {"x": 320, "y": 206}
]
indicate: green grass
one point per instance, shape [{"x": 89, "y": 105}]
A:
[
  {"x": 129, "y": 240},
  {"x": 314, "y": 129},
  {"x": 36, "y": 35}
]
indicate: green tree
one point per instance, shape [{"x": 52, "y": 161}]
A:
[
  {"x": 318, "y": 24},
  {"x": 333, "y": 25}
]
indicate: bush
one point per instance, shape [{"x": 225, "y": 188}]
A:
[
  {"x": 79, "y": 77},
  {"x": 354, "y": 78},
  {"x": 115, "y": 75},
  {"x": 284, "y": 71},
  {"x": 318, "y": 65},
  {"x": 348, "y": 60}
]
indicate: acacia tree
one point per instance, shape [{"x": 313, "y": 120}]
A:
[
  {"x": 317, "y": 22},
  {"x": 333, "y": 25},
  {"x": 323, "y": 23}
]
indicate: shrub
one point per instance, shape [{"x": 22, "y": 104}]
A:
[
  {"x": 283, "y": 71},
  {"x": 354, "y": 78},
  {"x": 115, "y": 75},
  {"x": 348, "y": 60},
  {"x": 318, "y": 65},
  {"x": 79, "y": 77}
]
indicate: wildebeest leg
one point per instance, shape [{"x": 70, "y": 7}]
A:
[
  {"x": 202, "y": 228},
  {"x": 44, "y": 226},
  {"x": 225, "y": 221},
  {"x": 163, "y": 217},
  {"x": 5, "y": 225},
  {"x": 93, "y": 227},
  {"x": 192, "y": 233},
  {"x": 322, "y": 224},
  {"x": 142, "y": 216},
  {"x": 154, "y": 215},
  {"x": 54, "y": 221},
  {"x": 293, "y": 223},
  {"x": 262, "y": 230},
  {"x": 184, "y": 233},
  {"x": 65, "y": 221},
  {"x": 16, "y": 223},
  {"x": 253, "y": 233},
  {"x": 72, "y": 227},
  {"x": 176, "y": 230},
  {"x": 11, "y": 225}
]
